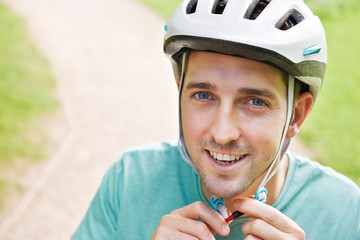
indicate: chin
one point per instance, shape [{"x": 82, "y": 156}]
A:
[{"x": 223, "y": 187}]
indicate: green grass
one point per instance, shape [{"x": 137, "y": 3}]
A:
[
  {"x": 332, "y": 129},
  {"x": 26, "y": 94}
]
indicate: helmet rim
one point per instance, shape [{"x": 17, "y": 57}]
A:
[{"x": 175, "y": 46}]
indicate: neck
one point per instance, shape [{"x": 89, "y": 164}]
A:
[{"x": 274, "y": 186}]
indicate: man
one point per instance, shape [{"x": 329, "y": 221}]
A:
[{"x": 248, "y": 74}]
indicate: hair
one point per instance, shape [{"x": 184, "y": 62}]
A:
[{"x": 260, "y": 6}]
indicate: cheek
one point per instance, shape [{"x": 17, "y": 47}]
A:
[
  {"x": 263, "y": 132},
  {"x": 195, "y": 123}
]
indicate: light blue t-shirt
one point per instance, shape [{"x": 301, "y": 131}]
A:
[{"x": 153, "y": 180}]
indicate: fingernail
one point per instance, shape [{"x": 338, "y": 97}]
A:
[
  {"x": 225, "y": 228},
  {"x": 237, "y": 203}
]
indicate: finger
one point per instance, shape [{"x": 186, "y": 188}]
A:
[
  {"x": 199, "y": 210},
  {"x": 164, "y": 233},
  {"x": 174, "y": 224},
  {"x": 261, "y": 229},
  {"x": 252, "y": 237},
  {"x": 268, "y": 213},
  {"x": 199, "y": 230},
  {"x": 195, "y": 228}
]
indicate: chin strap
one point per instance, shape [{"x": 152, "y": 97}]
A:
[
  {"x": 185, "y": 155},
  {"x": 181, "y": 143},
  {"x": 261, "y": 192}
]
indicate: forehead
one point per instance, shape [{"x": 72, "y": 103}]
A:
[{"x": 233, "y": 71}]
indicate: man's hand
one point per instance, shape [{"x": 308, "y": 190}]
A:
[
  {"x": 183, "y": 223},
  {"x": 267, "y": 222}
]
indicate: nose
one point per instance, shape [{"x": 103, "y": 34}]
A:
[{"x": 225, "y": 127}]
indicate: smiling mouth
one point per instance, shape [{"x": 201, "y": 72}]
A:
[{"x": 225, "y": 159}]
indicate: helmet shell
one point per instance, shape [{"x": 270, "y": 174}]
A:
[{"x": 300, "y": 51}]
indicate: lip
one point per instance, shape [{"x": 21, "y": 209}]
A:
[{"x": 225, "y": 168}]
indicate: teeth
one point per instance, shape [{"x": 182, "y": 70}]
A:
[
  {"x": 225, "y": 157},
  {"x": 224, "y": 163}
]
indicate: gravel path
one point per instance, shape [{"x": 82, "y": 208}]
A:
[{"x": 117, "y": 91}]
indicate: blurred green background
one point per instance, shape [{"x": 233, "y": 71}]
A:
[
  {"x": 28, "y": 93},
  {"x": 331, "y": 130}
]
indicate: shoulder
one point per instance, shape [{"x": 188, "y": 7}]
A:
[
  {"x": 324, "y": 197},
  {"x": 145, "y": 168},
  {"x": 313, "y": 171},
  {"x": 147, "y": 154},
  {"x": 156, "y": 156},
  {"x": 150, "y": 160},
  {"x": 158, "y": 150},
  {"x": 323, "y": 182}
]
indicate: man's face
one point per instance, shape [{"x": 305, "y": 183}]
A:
[{"x": 233, "y": 114}]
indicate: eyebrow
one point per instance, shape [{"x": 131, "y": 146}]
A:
[
  {"x": 258, "y": 92},
  {"x": 201, "y": 85},
  {"x": 242, "y": 91}
]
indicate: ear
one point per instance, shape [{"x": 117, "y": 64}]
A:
[{"x": 302, "y": 108}]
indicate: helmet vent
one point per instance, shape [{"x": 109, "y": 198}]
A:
[
  {"x": 255, "y": 9},
  {"x": 219, "y": 6},
  {"x": 289, "y": 20},
  {"x": 191, "y": 7}
]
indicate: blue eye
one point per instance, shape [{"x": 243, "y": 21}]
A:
[
  {"x": 202, "y": 95},
  {"x": 257, "y": 102}
]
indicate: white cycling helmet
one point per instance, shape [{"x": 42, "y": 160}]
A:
[{"x": 282, "y": 33}]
